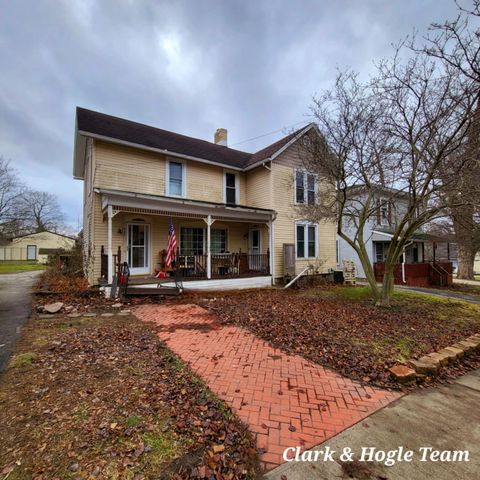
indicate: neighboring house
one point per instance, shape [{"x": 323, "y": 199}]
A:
[
  {"x": 35, "y": 246},
  {"x": 232, "y": 211},
  {"x": 421, "y": 248},
  {"x": 476, "y": 265}
]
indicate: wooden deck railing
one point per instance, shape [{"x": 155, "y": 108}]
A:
[
  {"x": 419, "y": 274},
  {"x": 224, "y": 265}
]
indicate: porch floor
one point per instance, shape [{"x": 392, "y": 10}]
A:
[{"x": 213, "y": 284}]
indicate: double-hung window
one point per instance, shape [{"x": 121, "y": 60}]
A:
[
  {"x": 175, "y": 178},
  {"x": 218, "y": 240},
  {"x": 230, "y": 188},
  {"x": 305, "y": 187},
  {"x": 306, "y": 240},
  {"x": 193, "y": 241}
]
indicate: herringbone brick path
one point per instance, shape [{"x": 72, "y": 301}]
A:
[{"x": 286, "y": 400}]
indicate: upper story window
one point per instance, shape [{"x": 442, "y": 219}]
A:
[
  {"x": 384, "y": 215},
  {"x": 231, "y": 188},
  {"x": 384, "y": 212},
  {"x": 306, "y": 240},
  {"x": 175, "y": 181},
  {"x": 305, "y": 187}
]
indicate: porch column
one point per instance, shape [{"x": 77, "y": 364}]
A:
[
  {"x": 271, "y": 248},
  {"x": 209, "y": 223},
  {"x": 109, "y": 243}
]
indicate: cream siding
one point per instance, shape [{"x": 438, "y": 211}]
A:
[
  {"x": 129, "y": 169},
  {"x": 259, "y": 188},
  {"x": 283, "y": 168},
  {"x": 17, "y": 248}
]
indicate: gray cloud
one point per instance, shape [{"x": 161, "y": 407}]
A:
[{"x": 187, "y": 66}]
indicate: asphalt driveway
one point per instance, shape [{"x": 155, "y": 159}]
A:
[{"x": 15, "y": 305}]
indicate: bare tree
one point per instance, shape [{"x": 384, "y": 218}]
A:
[
  {"x": 386, "y": 140},
  {"x": 10, "y": 191},
  {"x": 41, "y": 211},
  {"x": 457, "y": 46}
]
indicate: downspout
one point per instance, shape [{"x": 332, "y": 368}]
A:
[{"x": 404, "y": 280}]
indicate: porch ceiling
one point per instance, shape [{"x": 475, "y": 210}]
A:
[{"x": 168, "y": 206}]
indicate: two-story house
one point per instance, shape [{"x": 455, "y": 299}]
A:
[
  {"x": 388, "y": 207},
  {"x": 233, "y": 212}
]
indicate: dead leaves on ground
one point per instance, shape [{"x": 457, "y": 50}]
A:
[
  {"x": 354, "y": 338},
  {"x": 110, "y": 401}
]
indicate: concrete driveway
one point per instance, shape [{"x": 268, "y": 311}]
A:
[
  {"x": 446, "y": 418},
  {"x": 15, "y": 305}
]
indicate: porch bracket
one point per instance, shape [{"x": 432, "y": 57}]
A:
[{"x": 209, "y": 221}]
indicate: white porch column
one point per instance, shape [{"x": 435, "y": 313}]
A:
[
  {"x": 270, "y": 246},
  {"x": 209, "y": 223},
  {"x": 109, "y": 243}
]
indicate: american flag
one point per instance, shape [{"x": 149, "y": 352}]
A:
[{"x": 172, "y": 245}]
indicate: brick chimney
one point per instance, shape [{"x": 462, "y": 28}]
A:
[{"x": 220, "y": 137}]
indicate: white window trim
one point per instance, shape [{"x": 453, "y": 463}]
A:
[
  {"x": 305, "y": 185},
  {"x": 184, "y": 178},
  {"x": 305, "y": 243},
  {"x": 204, "y": 243},
  {"x": 260, "y": 246},
  {"x": 237, "y": 186}
]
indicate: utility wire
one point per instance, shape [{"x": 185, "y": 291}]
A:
[{"x": 269, "y": 133}]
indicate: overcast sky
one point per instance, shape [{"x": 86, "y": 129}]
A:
[{"x": 188, "y": 66}]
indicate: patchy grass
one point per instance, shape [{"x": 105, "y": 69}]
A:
[
  {"x": 340, "y": 327},
  {"x": 23, "y": 360},
  {"x": 103, "y": 398},
  {"x": 14, "y": 266}
]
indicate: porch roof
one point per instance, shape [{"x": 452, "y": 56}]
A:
[
  {"x": 161, "y": 205},
  {"x": 385, "y": 235}
]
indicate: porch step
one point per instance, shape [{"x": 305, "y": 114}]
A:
[{"x": 139, "y": 291}]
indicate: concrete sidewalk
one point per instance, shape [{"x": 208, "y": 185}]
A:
[
  {"x": 445, "y": 418},
  {"x": 442, "y": 293}
]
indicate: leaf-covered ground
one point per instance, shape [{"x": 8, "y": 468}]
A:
[
  {"x": 341, "y": 328},
  {"x": 103, "y": 398}
]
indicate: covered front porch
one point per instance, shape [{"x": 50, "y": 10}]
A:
[
  {"x": 214, "y": 242},
  {"x": 420, "y": 264}
]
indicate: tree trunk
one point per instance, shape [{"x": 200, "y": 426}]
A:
[
  {"x": 387, "y": 287},
  {"x": 465, "y": 231},
  {"x": 466, "y": 259}
]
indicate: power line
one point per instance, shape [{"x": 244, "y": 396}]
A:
[{"x": 269, "y": 133}]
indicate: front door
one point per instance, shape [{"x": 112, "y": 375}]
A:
[
  {"x": 31, "y": 252},
  {"x": 255, "y": 248},
  {"x": 138, "y": 236}
]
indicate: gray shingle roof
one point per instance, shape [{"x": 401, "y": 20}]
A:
[{"x": 96, "y": 123}]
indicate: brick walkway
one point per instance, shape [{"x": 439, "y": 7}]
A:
[{"x": 285, "y": 399}]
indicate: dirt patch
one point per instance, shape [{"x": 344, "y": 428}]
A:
[
  {"x": 342, "y": 329},
  {"x": 102, "y": 397}
]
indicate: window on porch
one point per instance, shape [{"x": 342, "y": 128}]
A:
[
  {"x": 381, "y": 251},
  {"x": 193, "y": 241}
]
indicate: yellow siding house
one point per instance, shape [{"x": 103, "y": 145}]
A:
[{"x": 234, "y": 213}]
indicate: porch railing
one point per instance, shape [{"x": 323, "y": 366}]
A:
[
  {"x": 224, "y": 265},
  {"x": 422, "y": 274},
  {"x": 116, "y": 258}
]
